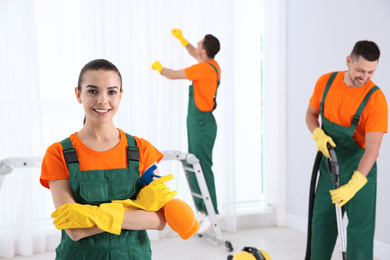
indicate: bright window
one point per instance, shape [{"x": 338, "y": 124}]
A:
[{"x": 248, "y": 71}]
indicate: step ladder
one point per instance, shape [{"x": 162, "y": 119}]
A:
[
  {"x": 7, "y": 165},
  {"x": 191, "y": 164}
]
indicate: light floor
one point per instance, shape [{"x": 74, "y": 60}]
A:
[{"x": 279, "y": 243}]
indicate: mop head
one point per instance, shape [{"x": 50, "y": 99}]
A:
[{"x": 250, "y": 253}]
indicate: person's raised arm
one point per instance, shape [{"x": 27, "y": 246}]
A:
[
  {"x": 191, "y": 49},
  {"x": 169, "y": 73}
]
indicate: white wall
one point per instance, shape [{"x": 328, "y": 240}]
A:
[{"x": 320, "y": 34}]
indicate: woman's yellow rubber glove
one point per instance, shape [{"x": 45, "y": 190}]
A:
[
  {"x": 152, "y": 197},
  {"x": 322, "y": 140},
  {"x": 107, "y": 217},
  {"x": 177, "y": 33},
  {"x": 346, "y": 192},
  {"x": 157, "y": 66}
]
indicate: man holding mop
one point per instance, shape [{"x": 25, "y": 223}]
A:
[{"x": 354, "y": 117}]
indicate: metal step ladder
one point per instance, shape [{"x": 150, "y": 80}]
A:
[
  {"x": 7, "y": 165},
  {"x": 191, "y": 164}
]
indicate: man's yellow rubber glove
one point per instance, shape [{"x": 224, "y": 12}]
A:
[
  {"x": 177, "y": 33},
  {"x": 346, "y": 192},
  {"x": 107, "y": 217},
  {"x": 322, "y": 140},
  {"x": 152, "y": 197},
  {"x": 157, "y": 66}
]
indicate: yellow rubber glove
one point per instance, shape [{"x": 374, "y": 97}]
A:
[
  {"x": 346, "y": 192},
  {"x": 157, "y": 66},
  {"x": 107, "y": 217},
  {"x": 129, "y": 204},
  {"x": 151, "y": 197},
  {"x": 177, "y": 33},
  {"x": 322, "y": 140}
]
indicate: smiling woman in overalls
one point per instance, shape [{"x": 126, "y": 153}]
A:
[
  {"x": 94, "y": 178},
  {"x": 201, "y": 124},
  {"x": 354, "y": 118}
]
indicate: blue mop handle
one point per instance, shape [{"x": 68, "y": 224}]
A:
[{"x": 147, "y": 177}]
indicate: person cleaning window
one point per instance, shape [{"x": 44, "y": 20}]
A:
[
  {"x": 201, "y": 124},
  {"x": 354, "y": 118},
  {"x": 94, "y": 178}
]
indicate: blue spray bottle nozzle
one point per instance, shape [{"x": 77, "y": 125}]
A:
[{"x": 147, "y": 176}]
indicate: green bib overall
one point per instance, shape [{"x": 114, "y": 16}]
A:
[
  {"x": 360, "y": 209},
  {"x": 201, "y": 132},
  {"x": 102, "y": 186}
]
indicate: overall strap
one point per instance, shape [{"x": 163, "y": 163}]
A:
[
  {"x": 328, "y": 84},
  {"x": 216, "y": 72},
  {"x": 132, "y": 154},
  {"x": 356, "y": 117},
  {"x": 218, "y": 82},
  {"x": 70, "y": 155},
  {"x": 72, "y": 161}
]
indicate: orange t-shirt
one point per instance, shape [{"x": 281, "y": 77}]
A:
[
  {"x": 54, "y": 166},
  {"x": 205, "y": 83},
  {"x": 342, "y": 102}
]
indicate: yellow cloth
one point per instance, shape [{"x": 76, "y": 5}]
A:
[
  {"x": 346, "y": 192},
  {"x": 177, "y": 33},
  {"x": 157, "y": 66},
  {"x": 152, "y": 197},
  {"x": 107, "y": 217},
  {"x": 322, "y": 140}
]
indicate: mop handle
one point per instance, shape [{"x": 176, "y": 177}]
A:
[{"x": 334, "y": 171}]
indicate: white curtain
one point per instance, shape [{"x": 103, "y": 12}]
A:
[
  {"x": 43, "y": 46},
  {"x": 22, "y": 201}
]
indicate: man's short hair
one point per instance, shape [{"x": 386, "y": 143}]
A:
[
  {"x": 211, "y": 45},
  {"x": 367, "y": 49}
]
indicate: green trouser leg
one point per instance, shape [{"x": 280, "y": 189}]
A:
[
  {"x": 324, "y": 225},
  {"x": 361, "y": 220},
  {"x": 360, "y": 211},
  {"x": 202, "y": 131}
]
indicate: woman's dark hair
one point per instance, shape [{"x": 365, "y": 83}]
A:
[
  {"x": 367, "y": 49},
  {"x": 99, "y": 64},
  {"x": 211, "y": 45}
]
